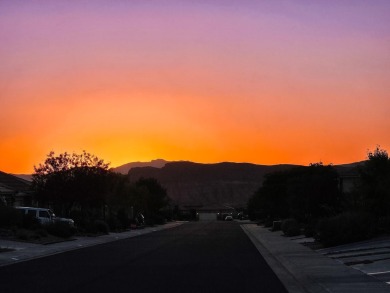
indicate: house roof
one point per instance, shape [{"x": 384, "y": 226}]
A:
[{"x": 5, "y": 190}]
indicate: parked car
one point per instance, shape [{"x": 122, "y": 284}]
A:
[
  {"x": 44, "y": 216},
  {"x": 228, "y": 218},
  {"x": 242, "y": 216}
]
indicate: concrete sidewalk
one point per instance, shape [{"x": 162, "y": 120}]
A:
[
  {"x": 304, "y": 270},
  {"x": 22, "y": 251}
]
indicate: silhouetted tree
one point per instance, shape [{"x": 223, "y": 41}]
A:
[
  {"x": 68, "y": 180},
  {"x": 373, "y": 188},
  {"x": 152, "y": 198},
  {"x": 313, "y": 192},
  {"x": 121, "y": 200},
  {"x": 304, "y": 193}
]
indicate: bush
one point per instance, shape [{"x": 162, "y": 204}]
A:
[
  {"x": 61, "y": 229},
  {"x": 291, "y": 227},
  {"x": 101, "y": 227},
  {"x": 268, "y": 223},
  {"x": 10, "y": 217},
  {"x": 276, "y": 226},
  {"x": 41, "y": 232},
  {"x": 383, "y": 225},
  {"x": 149, "y": 221},
  {"x": 309, "y": 229},
  {"x": 22, "y": 235},
  {"x": 114, "y": 223},
  {"x": 159, "y": 219},
  {"x": 93, "y": 227},
  {"x": 123, "y": 218},
  {"x": 77, "y": 217},
  {"x": 345, "y": 228}
]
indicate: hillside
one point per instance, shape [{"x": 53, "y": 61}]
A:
[
  {"x": 191, "y": 183},
  {"x": 14, "y": 190},
  {"x": 124, "y": 169},
  {"x": 14, "y": 182},
  {"x": 348, "y": 169},
  {"x": 198, "y": 184}
]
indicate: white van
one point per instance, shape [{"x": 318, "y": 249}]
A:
[{"x": 45, "y": 216}]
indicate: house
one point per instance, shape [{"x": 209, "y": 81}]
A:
[
  {"x": 15, "y": 191},
  {"x": 347, "y": 182},
  {"x": 210, "y": 212}
]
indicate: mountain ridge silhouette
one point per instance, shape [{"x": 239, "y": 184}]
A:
[{"x": 225, "y": 183}]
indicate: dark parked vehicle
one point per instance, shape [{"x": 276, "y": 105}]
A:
[
  {"x": 43, "y": 215},
  {"x": 228, "y": 218}
]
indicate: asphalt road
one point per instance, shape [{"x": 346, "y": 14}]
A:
[{"x": 194, "y": 257}]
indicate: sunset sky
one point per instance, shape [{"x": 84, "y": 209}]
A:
[{"x": 265, "y": 82}]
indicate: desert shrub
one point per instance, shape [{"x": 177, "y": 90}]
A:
[
  {"x": 309, "y": 229},
  {"x": 61, "y": 229},
  {"x": 291, "y": 227},
  {"x": 383, "y": 225},
  {"x": 114, "y": 223},
  {"x": 94, "y": 227},
  {"x": 77, "y": 217},
  {"x": 268, "y": 222},
  {"x": 149, "y": 221},
  {"x": 276, "y": 226},
  {"x": 41, "y": 232},
  {"x": 345, "y": 228},
  {"x": 123, "y": 219},
  {"x": 34, "y": 235},
  {"x": 7, "y": 232},
  {"x": 159, "y": 219},
  {"x": 22, "y": 234},
  {"x": 101, "y": 227},
  {"x": 10, "y": 217}
]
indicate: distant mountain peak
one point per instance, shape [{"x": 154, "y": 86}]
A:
[
  {"x": 159, "y": 161},
  {"x": 124, "y": 169}
]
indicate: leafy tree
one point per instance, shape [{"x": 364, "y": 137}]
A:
[
  {"x": 373, "y": 188},
  {"x": 120, "y": 201},
  {"x": 313, "y": 192},
  {"x": 303, "y": 193},
  {"x": 270, "y": 200},
  {"x": 152, "y": 198},
  {"x": 68, "y": 180}
]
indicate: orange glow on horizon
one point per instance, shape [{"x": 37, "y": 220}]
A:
[{"x": 243, "y": 82}]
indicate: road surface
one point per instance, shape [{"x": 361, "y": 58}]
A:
[{"x": 194, "y": 257}]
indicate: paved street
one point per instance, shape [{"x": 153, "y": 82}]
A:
[{"x": 194, "y": 257}]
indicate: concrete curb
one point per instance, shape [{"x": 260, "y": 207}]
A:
[
  {"x": 301, "y": 269},
  {"x": 289, "y": 281}
]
